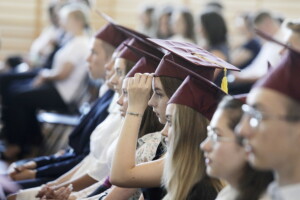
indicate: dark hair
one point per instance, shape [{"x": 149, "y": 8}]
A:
[
  {"x": 189, "y": 21},
  {"x": 261, "y": 16},
  {"x": 166, "y": 11},
  {"x": 253, "y": 183},
  {"x": 150, "y": 123},
  {"x": 214, "y": 27},
  {"x": 170, "y": 85}
]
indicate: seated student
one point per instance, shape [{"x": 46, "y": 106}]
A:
[
  {"x": 271, "y": 122},
  {"x": 95, "y": 167},
  {"x": 108, "y": 130},
  {"x": 226, "y": 159},
  {"x": 47, "y": 168},
  {"x": 51, "y": 89},
  {"x": 125, "y": 173},
  {"x": 147, "y": 145},
  {"x": 188, "y": 114}
]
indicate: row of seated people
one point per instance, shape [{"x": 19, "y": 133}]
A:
[
  {"x": 148, "y": 146},
  {"x": 55, "y": 89},
  {"x": 62, "y": 50},
  {"x": 184, "y": 100}
]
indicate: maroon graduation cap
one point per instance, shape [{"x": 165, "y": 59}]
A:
[
  {"x": 147, "y": 64},
  {"x": 111, "y": 34},
  {"x": 199, "y": 94},
  {"x": 194, "y": 54},
  {"x": 166, "y": 68},
  {"x": 192, "y": 57},
  {"x": 284, "y": 78}
]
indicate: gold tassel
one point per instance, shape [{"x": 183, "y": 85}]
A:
[{"x": 224, "y": 84}]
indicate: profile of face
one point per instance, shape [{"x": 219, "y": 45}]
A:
[
  {"x": 123, "y": 99},
  {"x": 119, "y": 73},
  {"x": 168, "y": 129},
  {"x": 109, "y": 69},
  {"x": 159, "y": 100},
  {"x": 224, "y": 157},
  {"x": 270, "y": 140},
  {"x": 97, "y": 60}
]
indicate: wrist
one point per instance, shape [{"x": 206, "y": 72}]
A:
[{"x": 135, "y": 114}]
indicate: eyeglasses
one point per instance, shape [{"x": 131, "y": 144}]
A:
[
  {"x": 212, "y": 134},
  {"x": 255, "y": 116}
]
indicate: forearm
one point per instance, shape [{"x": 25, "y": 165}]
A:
[
  {"x": 67, "y": 176},
  {"x": 79, "y": 183},
  {"x": 124, "y": 156}
]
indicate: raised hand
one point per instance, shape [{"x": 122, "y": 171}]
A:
[{"x": 139, "y": 88}]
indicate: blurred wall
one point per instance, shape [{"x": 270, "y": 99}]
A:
[{"x": 22, "y": 20}]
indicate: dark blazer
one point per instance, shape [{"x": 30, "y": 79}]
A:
[{"x": 51, "y": 167}]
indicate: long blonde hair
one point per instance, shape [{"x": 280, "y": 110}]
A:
[{"x": 185, "y": 165}]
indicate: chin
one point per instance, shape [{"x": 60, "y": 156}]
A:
[
  {"x": 256, "y": 163},
  {"x": 161, "y": 121}
]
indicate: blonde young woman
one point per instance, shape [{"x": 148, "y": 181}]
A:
[{"x": 188, "y": 114}]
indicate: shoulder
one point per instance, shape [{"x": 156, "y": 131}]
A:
[
  {"x": 227, "y": 193},
  {"x": 203, "y": 190}
]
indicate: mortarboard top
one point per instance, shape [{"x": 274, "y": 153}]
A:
[
  {"x": 149, "y": 53},
  {"x": 168, "y": 66},
  {"x": 147, "y": 64},
  {"x": 128, "y": 54},
  {"x": 199, "y": 94},
  {"x": 144, "y": 65},
  {"x": 283, "y": 78},
  {"x": 110, "y": 34},
  {"x": 194, "y": 54},
  {"x": 122, "y": 45}
]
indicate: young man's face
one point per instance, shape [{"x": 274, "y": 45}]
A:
[
  {"x": 97, "y": 59},
  {"x": 271, "y": 142}
]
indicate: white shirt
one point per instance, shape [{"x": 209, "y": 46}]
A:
[
  {"x": 230, "y": 193},
  {"x": 289, "y": 192},
  {"x": 74, "y": 52},
  {"x": 270, "y": 52},
  {"x": 99, "y": 143}
]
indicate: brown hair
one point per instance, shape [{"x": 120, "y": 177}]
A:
[{"x": 170, "y": 85}]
